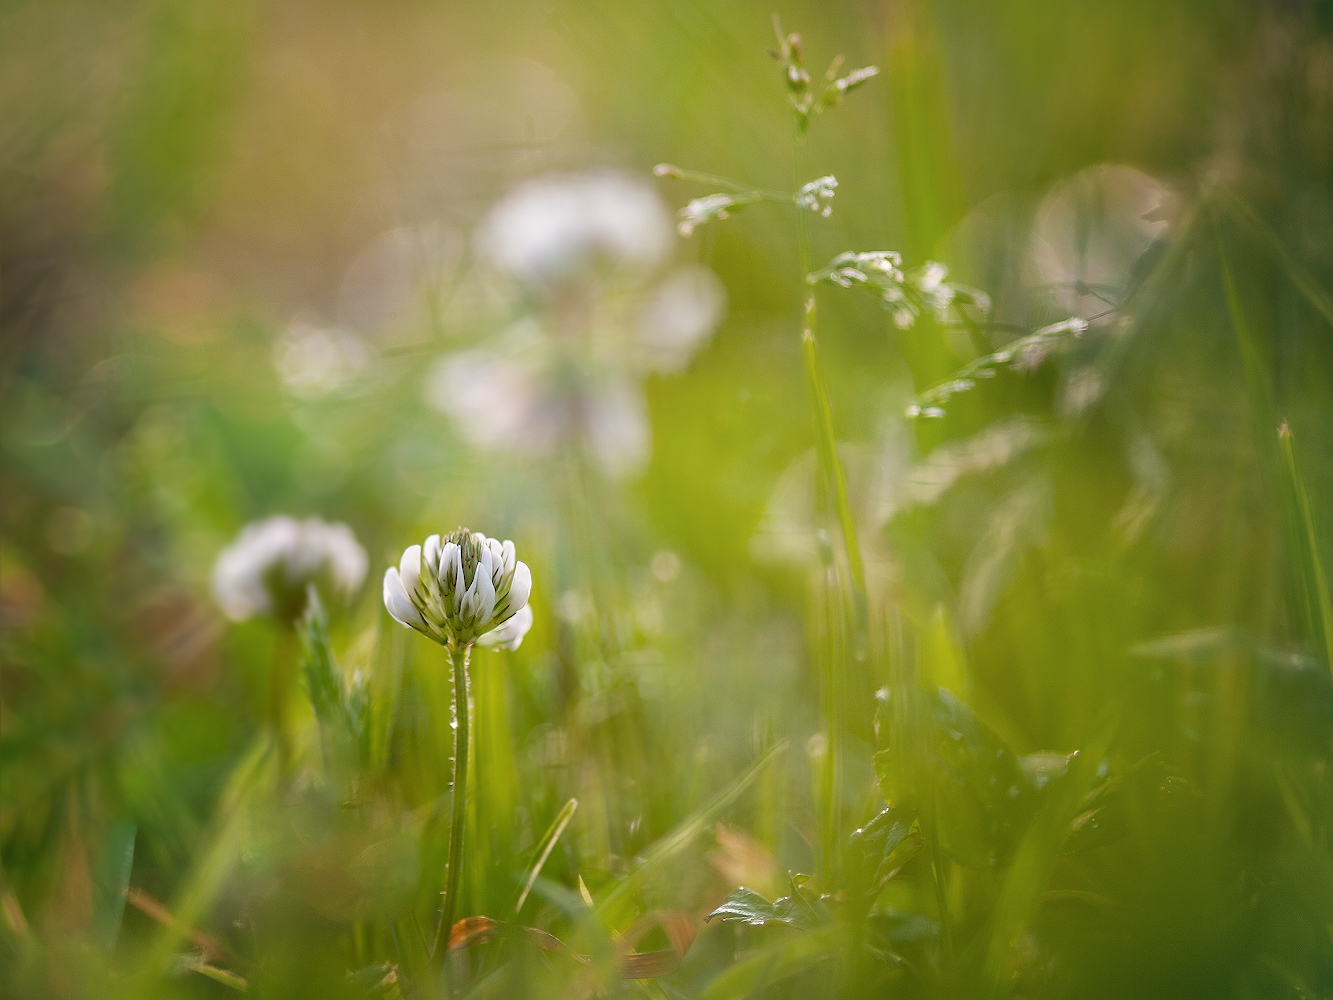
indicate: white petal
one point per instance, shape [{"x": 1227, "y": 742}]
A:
[
  {"x": 397, "y": 603},
  {"x": 510, "y": 634},
  {"x": 460, "y": 591},
  {"x": 521, "y": 588},
  {"x": 431, "y": 554},
  {"x": 507, "y": 551},
  {"x": 409, "y": 568},
  {"x": 448, "y": 558},
  {"x": 479, "y": 602},
  {"x": 487, "y": 594}
]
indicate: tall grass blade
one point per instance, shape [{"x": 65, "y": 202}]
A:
[
  {"x": 1316, "y": 582},
  {"x": 681, "y": 837},
  {"x": 1299, "y": 276},
  {"x": 252, "y": 776},
  {"x": 545, "y": 847},
  {"x": 113, "y": 882}
]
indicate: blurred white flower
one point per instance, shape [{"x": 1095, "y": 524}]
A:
[
  {"x": 461, "y": 588},
  {"x": 316, "y": 361},
  {"x": 515, "y": 397},
  {"x": 495, "y": 395},
  {"x": 1089, "y": 232},
  {"x": 552, "y": 229},
  {"x": 585, "y": 248},
  {"x": 685, "y": 309},
  {"x": 267, "y": 569}
]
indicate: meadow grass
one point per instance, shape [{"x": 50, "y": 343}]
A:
[{"x": 927, "y": 530}]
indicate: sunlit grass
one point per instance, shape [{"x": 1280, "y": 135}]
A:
[{"x": 918, "y": 581}]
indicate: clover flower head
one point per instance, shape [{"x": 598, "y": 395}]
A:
[
  {"x": 461, "y": 588},
  {"x": 554, "y": 229},
  {"x": 267, "y": 569}
]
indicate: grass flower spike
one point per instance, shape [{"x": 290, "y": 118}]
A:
[{"x": 461, "y": 588}]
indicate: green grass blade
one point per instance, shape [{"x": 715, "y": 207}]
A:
[
  {"x": 546, "y": 846},
  {"x": 786, "y": 958},
  {"x": 681, "y": 837},
  {"x": 113, "y": 881},
  {"x": 826, "y": 444},
  {"x": 1301, "y": 278},
  {"x": 251, "y": 776},
  {"x": 1316, "y": 584}
]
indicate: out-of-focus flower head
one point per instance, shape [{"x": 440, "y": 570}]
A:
[
  {"x": 554, "y": 229},
  {"x": 316, "y": 361},
  {"x": 585, "y": 250},
  {"x": 267, "y": 569},
  {"x": 1091, "y": 233},
  {"x": 461, "y": 588}
]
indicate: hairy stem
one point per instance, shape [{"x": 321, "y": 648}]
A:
[{"x": 459, "y": 659}]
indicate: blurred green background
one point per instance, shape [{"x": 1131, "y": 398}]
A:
[{"x": 1107, "y": 550}]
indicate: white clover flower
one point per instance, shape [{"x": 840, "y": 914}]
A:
[
  {"x": 570, "y": 370},
  {"x": 267, "y": 569},
  {"x": 1089, "y": 232},
  {"x": 461, "y": 588},
  {"x": 316, "y": 361},
  {"x": 518, "y": 397},
  {"x": 684, "y": 310},
  {"x": 554, "y": 229}
]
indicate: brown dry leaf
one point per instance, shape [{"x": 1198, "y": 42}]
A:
[
  {"x": 154, "y": 910},
  {"x": 645, "y": 965}
]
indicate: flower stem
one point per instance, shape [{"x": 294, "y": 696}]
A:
[
  {"x": 279, "y": 696},
  {"x": 455, "y": 862}
]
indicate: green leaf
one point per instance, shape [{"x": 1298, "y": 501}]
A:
[
  {"x": 888, "y": 842},
  {"x": 786, "y": 958},
  {"x": 319, "y": 670},
  {"x": 981, "y": 795},
  {"x": 748, "y": 907}
]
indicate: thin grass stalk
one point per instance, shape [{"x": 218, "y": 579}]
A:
[
  {"x": 459, "y": 659},
  {"x": 1301, "y": 535},
  {"x": 1318, "y": 581},
  {"x": 826, "y": 446},
  {"x": 832, "y": 647},
  {"x": 822, "y": 413}
]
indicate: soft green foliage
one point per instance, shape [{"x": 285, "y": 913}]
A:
[{"x": 971, "y": 637}]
